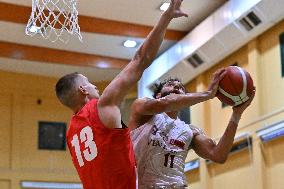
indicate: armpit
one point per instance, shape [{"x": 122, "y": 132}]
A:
[{"x": 124, "y": 126}]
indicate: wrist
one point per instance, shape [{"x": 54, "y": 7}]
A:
[{"x": 168, "y": 15}]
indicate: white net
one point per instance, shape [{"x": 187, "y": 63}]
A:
[{"x": 54, "y": 20}]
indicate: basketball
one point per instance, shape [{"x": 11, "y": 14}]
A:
[{"x": 236, "y": 86}]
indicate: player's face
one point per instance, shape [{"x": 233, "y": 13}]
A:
[
  {"x": 91, "y": 90},
  {"x": 172, "y": 87}
]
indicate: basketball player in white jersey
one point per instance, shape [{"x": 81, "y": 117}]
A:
[{"x": 161, "y": 140}]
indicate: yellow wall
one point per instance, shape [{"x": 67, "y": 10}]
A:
[
  {"x": 194, "y": 178},
  {"x": 5, "y": 184},
  {"x": 262, "y": 166},
  {"x": 20, "y": 158},
  {"x": 272, "y": 82},
  {"x": 274, "y": 160},
  {"x": 20, "y": 112}
]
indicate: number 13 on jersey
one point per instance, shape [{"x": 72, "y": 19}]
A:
[{"x": 86, "y": 138}]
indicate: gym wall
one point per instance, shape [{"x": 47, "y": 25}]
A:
[
  {"x": 24, "y": 101},
  {"x": 262, "y": 165}
]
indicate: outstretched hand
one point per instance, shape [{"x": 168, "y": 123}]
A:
[
  {"x": 214, "y": 85},
  {"x": 174, "y": 9}
]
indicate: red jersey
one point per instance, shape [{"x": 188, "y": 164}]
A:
[{"x": 104, "y": 157}]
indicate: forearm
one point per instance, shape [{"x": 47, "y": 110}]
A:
[
  {"x": 177, "y": 102},
  {"x": 226, "y": 142},
  {"x": 206, "y": 147},
  {"x": 224, "y": 146}
]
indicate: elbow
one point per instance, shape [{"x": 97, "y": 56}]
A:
[{"x": 220, "y": 159}]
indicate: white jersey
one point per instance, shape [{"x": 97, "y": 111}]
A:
[{"x": 161, "y": 146}]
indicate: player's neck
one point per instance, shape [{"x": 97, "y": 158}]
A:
[{"x": 79, "y": 106}]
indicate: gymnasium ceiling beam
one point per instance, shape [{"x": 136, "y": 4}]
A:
[{"x": 41, "y": 54}]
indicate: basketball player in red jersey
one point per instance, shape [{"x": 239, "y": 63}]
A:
[{"x": 100, "y": 146}]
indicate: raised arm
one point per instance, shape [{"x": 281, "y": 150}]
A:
[
  {"x": 172, "y": 102},
  {"x": 129, "y": 76},
  {"x": 115, "y": 92},
  {"x": 176, "y": 102},
  {"x": 208, "y": 149}
]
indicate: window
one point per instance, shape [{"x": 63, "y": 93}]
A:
[
  {"x": 281, "y": 37},
  {"x": 51, "y": 135}
]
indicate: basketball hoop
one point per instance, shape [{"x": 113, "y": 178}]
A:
[{"x": 54, "y": 20}]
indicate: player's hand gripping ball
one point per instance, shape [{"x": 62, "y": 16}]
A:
[{"x": 235, "y": 87}]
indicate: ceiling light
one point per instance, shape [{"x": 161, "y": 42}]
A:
[
  {"x": 103, "y": 65},
  {"x": 164, "y": 6},
  {"x": 130, "y": 43}
]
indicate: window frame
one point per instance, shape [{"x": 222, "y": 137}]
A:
[{"x": 281, "y": 41}]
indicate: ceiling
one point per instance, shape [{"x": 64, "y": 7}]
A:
[{"x": 104, "y": 26}]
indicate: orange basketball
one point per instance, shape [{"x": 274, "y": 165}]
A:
[{"x": 236, "y": 87}]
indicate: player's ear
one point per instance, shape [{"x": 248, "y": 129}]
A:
[{"x": 83, "y": 90}]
